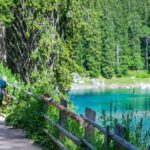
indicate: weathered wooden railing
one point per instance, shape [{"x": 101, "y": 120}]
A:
[{"x": 87, "y": 121}]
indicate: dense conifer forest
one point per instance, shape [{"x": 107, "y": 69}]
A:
[{"x": 101, "y": 37}]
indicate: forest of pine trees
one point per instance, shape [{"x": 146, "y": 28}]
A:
[
  {"x": 101, "y": 37},
  {"x": 117, "y": 37}
]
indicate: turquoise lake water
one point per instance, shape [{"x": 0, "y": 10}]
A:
[
  {"x": 122, "y": 101},
  {"x": 121, "y": 98}
]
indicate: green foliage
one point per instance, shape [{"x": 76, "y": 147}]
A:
[
  {"x": 135, "y": 134},
  {"x": 41, "y": 43},
  {"x": 107, "y": 72},
  {"x": 6, "y": 14},
  {"x": 47, "y": 41},
  {"x": 113, "y": 44},
  {"x": 96, "y": 37},
  {"x": 139, "y": 74},
  {"x": 26, "y": 111},
  {"x": 4, "y": 71},
  {"x": 88, "y": 51}
]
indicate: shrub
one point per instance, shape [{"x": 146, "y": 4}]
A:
[{"x": 139, "y": 74}]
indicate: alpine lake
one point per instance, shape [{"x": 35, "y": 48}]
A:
[{"x": 127, "y": 106}]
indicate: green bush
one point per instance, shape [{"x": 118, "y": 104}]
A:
[
  {"x": 124, "y": 71},
  {"x": 5, "y": 71},
  {"x": 139, "y": 74},
  {"x": 107, "y": 72}
]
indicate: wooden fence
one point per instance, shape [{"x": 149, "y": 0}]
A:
[{"x": 87, "y": 121}]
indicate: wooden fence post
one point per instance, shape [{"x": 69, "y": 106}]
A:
[
  {"x": 120, "y": 131},
  {"x": 106, "y": 142},
  {"x": 90, "y": 130},
  {"x": 62, "y": 118}
]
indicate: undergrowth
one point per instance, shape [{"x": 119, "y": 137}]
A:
[{"x": 25, "y": 113}]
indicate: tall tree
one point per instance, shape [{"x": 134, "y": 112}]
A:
[
  {"x": 108, "y": 41},
  {"x": 40, "y": 40},
  {"x": 121, "y": 37},
  {"x": 5, "y": 18},
  {"x": 135, "y": 25}
]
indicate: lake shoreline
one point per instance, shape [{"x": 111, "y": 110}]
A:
[
  {"x": 100, "y": 83},
  {"x": 84, "y": 87}
]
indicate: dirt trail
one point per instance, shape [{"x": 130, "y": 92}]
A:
[{"x": 14, "y": 139}]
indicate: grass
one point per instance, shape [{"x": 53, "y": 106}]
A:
[
  {"x": 127, "y": 80},
  {"x": 133, "y": 77},
  {"x": 134, "y": 125}
]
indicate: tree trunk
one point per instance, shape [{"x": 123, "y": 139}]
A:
[{"x": 3, "y": 54}]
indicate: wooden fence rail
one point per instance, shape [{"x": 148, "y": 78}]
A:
[{"x": 87, "y": 121}]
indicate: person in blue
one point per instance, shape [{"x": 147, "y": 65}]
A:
[{"x": 3, "y": 85}]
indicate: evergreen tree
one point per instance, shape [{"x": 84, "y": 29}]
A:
[
  {"x": 99, "y": 37},
  {"x": 134, "y": 22},
  {"x": 92, "y": 38},
  {"x": 88, "y": 50},
  {"x": 108, "y": 41},
  {"x": 121, "y": 38},
  {"x": 144, "y": 11}
]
